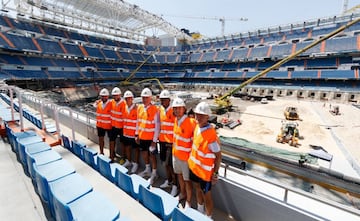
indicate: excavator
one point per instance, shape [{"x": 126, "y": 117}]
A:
[
  {"x": 289, "y": 133},
  {"x": 291, "y": 113},
  {"x": 223, "y": 103}
]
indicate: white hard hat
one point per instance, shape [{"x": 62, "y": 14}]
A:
[
  {"x": 178, "y": 102},
  {"x": 165, "y": 94},
  {"x": 146, "y": 92},
  {"x": 116, "y": 91},
  {"x": 104, "y": 92},
  {"x": 128, "y": 94},
  {"x": 203, "y": 108}
]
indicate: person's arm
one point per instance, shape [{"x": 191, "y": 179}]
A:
[
  {"x": 215, "y": 176},
  {"x": 157, "y": 127}
]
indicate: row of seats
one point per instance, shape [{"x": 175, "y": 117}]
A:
[
  {"x": 32, "y": 117},
  {"x": 336, "y": 45},
  {"x": 67, "y": 195},
  {"x": 158, "y": 201},
  {"x": 253, "y": 38}
]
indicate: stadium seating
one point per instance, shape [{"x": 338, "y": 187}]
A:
[
  {"x": 107, "y": 168},
  {"x": 159, "y": 202},
  {"x": 130, "y": 183}
]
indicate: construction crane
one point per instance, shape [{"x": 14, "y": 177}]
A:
[
  {"x": 345, "y": 9},
  {"x": 223, "y": 103},
  {"x": 222, "y": 20}
]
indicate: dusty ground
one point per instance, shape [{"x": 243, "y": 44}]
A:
[{"x": 261, "y": 123}]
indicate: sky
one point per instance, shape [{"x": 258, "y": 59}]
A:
[{"x": 260, "y": 13}]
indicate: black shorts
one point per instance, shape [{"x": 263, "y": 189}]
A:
[
  {"x": 101, "y": 131},
  {"x": 204, "y": 185},
  {"x": 115, "y": 132},
  {"x": 145, "y": 144},
  {"x": 166, "y": 153},
  {"x": 127, "y": 141}
]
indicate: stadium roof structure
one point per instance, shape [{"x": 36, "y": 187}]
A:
[{"x": 110, "y": 17}]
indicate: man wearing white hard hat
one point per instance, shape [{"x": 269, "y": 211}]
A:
[
  {"x": 147, "y": 133},
  {"x": 118, "y": 106},
  {"x": 205, "y": 158},
  {"x": 103, "y": 117},
  {"x": 167, "y": 120},
  {"x": 129, "y": 129},
  {"x": 183, "y": 132}
]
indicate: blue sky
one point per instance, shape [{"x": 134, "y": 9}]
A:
[{"x": 260, "y": 13}]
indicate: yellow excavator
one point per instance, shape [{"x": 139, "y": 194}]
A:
[
  {"x": 223, "y": 103},
  {"x": 291, "y": 113},
  {"x": 289, "y": 133}
]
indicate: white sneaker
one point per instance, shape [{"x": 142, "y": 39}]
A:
[
  {"x": 152, "y": 178},
  {"x": 165, "y": 184},
  {"x": 127, "y": 163},
  {"x": 134, "y": 168},
  {"x": 174, "y": 190},
  {"x": 145, "y": 173}
]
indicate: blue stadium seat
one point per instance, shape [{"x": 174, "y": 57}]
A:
[
  {"x": 90, "y": 207},
  {"x": 18, "y": 135},
  {"x": 33, "y": 149},
  {"x": 189, "y": 214},
  {"x": 159, "y": 202},
  {"x": 66, "y": 142},
  {"x": 78, "y": 148},
  {"x": 90, "y": 157},
  {"x": 44, "y": 174},
  {"x": 40, "y": 158},
  {"x": 107, "y": 169},
  {"x": 21, "y": 145},
  {"x": 68, "y": 188},
  {"x": 130, "y": 183}
]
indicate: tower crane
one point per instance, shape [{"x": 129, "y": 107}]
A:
[
  {"x": 345, "y": 7},
  {"x": 222, "y": 20}
]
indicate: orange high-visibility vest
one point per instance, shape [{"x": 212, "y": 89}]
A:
[
  {"x": 167, "y": 120},
  {"x": 117, "y": 113},
  {"x": 183, "y": 135},
  {"x": 130, "y": 119},
  {"x": 202, "y": 159},
  {"x": 146, "y": 121},
  {"x": 103, "y": 115}
]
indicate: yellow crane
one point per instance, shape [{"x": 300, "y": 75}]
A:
[
  {"x": 224, "y": 103},
  {"x": 127, "y": 81}
]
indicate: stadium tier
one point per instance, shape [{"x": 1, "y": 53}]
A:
[{"x": 32, "y": 50}]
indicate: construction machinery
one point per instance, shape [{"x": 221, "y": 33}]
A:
[
  {"x": 289, "y": 133},
  {"x": 291, "y": 113},
  {"x": 127, "y": 81},
  {"x": 335, "y": 110},
  {"x": 223, "y": 103}
]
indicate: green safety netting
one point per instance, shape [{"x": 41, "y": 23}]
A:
[{"x": 268, "y": 150}]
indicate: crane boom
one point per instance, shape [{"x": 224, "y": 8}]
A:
[
  {"x": 288, "y": 58},
  {"x": 131, "y": 75}
]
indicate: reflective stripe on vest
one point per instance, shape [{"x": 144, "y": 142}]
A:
[
  {"x": 167, "y": 120},
  {"x": 202, "y": 159},
  {"x": 146, "y": 121},
  {"x": 130, "y": 119},
  {"x": 103, "y": 115},
  {"x": 117, "y": 113},
  {"x": 183, "y": 133}
]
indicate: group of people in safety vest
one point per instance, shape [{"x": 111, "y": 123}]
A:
[{"x": 188, "y": 145}]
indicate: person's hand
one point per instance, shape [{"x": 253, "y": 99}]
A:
[
  {"x": 137, "y": 140},
  {"x": 214, "y": 178},
  {"x": 152, "y": 147}
]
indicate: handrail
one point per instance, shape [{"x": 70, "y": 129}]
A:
[{"x": 286, "y": 189}]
